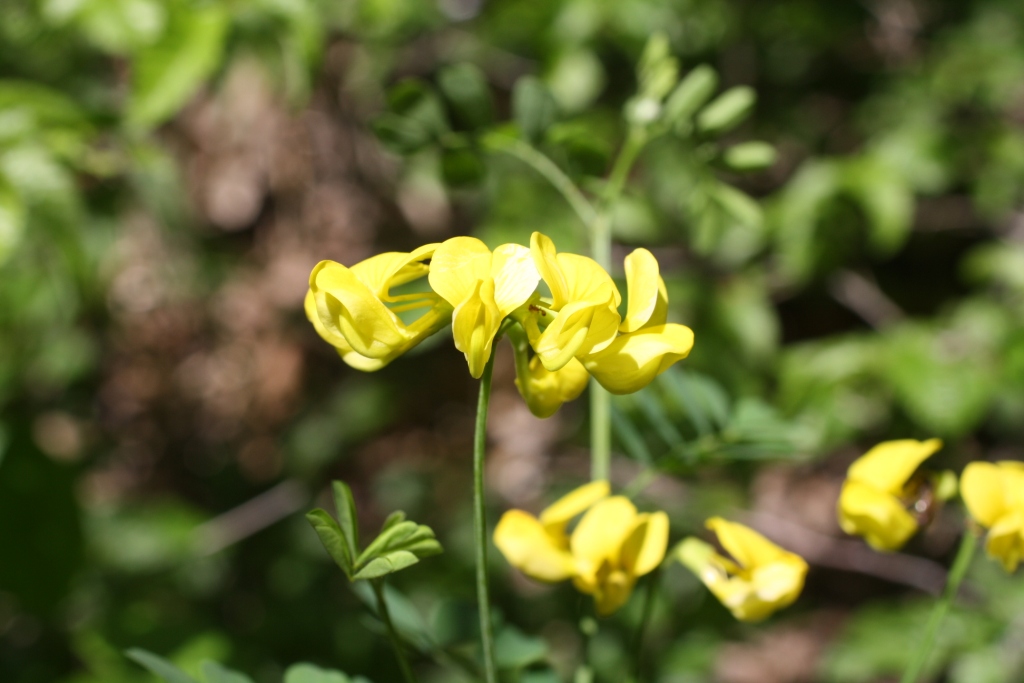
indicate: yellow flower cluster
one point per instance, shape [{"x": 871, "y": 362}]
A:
[
  {"x": 575, "y": 333},
  {"x": 611, "y": 546},
  {"x": 882, "y": 493}
]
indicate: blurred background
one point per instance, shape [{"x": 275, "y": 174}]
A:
[{"x": 170, "y": 171}]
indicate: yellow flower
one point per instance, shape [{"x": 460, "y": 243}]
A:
[
  {"x": 483, "y": 288},
  {"x": 610, "y": 548},
  {"x": 758, "y": 579},
  {"x": 872, "y": 500},
  {"x": 545, "y": 391},
  {"x": 353, "y": 310},
  {"x": 648, "y": 346},
  {"x": 994, "y": 495},
  {"x": 623, "y": 354},
  {"x": 584, "y": 300}
]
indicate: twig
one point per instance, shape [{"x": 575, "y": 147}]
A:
[
  {"x": 250, "y": 517},
  {"x": 850, "y": 555}
]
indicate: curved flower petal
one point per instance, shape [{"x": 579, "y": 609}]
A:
[
  {"x": 981, "y": 486},
  {"x": 542, "y": 249},
  {"x": 633, "y": 360},
  {"x": 350, "y": 357},
  {"x": 749, "y": 548},
  {"x": 645, "y": 547},
  {"x": 773, "y": 579},
  {"x": 613, "y": 591},
  {"x": 646, "y": 290},
  {"x": 545, "y": 391},
  {"x": 474, "y": 323},
  {"x": 521, "y": 538},
  {"x": 392, "y": 269},
  {"x": 456, "y": 267},
  {"x": 876, "y": 515},
  {"x": 576, "y": 502},
  {"x": 1006, "y": 540},
  {"x": 348, "y": 308},
  {"x": 889, "y": 465},
  {"x": 515, "y": 277},
  {"x": 600, "y": 534}
]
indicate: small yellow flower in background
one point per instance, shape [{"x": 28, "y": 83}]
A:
[
  {"x": 994, "y": 495},
  {"x": 760, "y": 577},
  {"x": 872, "y": 503},
  {"x": 610, "y": 548},
  {"x": 545, "y": 391},
  {"x": 353, "y": 310},
  {"x": 483, "y": 288}
]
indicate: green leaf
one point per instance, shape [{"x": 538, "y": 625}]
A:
[
  {"x": 392, "y": 535},
  {"x": 514, "y": 649},
  {"x": 750, "y": 156},
  {"x": 727, "y": 110},
  {"x": 690, "y": 95},
  {"x": 332, "y": 538},
  {"x": 533, "y": 107},
  {"x": 394, "y": 518},
  {"x": 657, "y": 70},
  {"x": 415, "y": 120},
  {"x": 159, "y": 666},
  {"x": 886, "y": 198},
  {"x": 386, "y": 564},
  {"x": 216, "y": 673},
  {"x": 308, "y": 673},
  {"x": 168, "y": 73},
  {"x": 465, "y": 87},
  {"x": 348, "y": 521}
]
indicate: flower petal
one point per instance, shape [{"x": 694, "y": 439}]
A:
[
  {"x": 599, "y": 535},
  {"x": 343, "y": 348},
  {"x": 347, "y": 307},
  {"x": 457, "y": 265},
  {"x": 545, "y": 391},
  {"x": 981, "y": 486},
  {"x": 542, "y": 249},
  {"x": 475, "y": 321},
  {"x": 1006, "y": 541},
  {"x": 515, "y": 277},
  {"x": 889, "y": 465},
  {"x": 876, "y": 515},
  {"x": 576, "y": 502},
  {"x": 749, "y": 548},
  {"x": 613, "y": 592},
  {"x": 633, "y": 360},
  {"x": 521, "y": 538},
  {"x": 645, "y": 547},
  {"x": 390, "y": 269},
  {"x": 644, "y": 286}
]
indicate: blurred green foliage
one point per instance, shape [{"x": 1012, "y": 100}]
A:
[{"x": 836, "y": 196}]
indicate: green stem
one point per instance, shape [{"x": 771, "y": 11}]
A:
[
  {"x": 539, "y": 162},
  {"x": 480, "y": 524},
  {"x": 956, "y": 576},
  {"x": 645, "y": 616},
  {"x": 396, "y": 642},
  {"x": 601, "y": 249}
]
